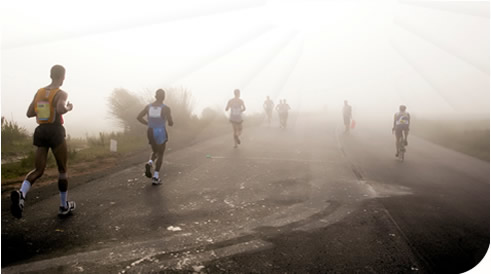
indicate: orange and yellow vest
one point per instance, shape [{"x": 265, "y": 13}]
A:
[{"x": 44, "y": 106}]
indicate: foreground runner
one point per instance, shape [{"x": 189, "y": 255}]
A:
[
  {"x": 268, "y": 107},
  {"x": 236, "y": 106},
  {"x": 402, "y": 119},
  {"x": 48, "y": 105},
  {"x": 158, "y": 114}
]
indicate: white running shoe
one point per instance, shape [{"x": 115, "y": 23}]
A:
[
  {"x": 66, "y": 210},
  {"x": 156, "y": 181}
]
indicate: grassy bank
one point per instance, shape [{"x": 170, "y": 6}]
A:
[
  {"x": 80, "y": 150},
  {"x": 467, "y": 136}
]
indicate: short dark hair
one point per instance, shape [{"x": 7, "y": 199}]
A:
[
  {"x": 160, "y": 94},
  {"x": 57, "y": 72},
  {"x": 402, "y": 107}
]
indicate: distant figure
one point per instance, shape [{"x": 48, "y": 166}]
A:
[
  {"x": 268, "y": 108},
  {"x": 47, "y": 106},
  {"x": 346, "y": 116},
  {"x": 283, "y": 109},
  {"x": 158, "y": 114},
  {"x": 402, "y": 120},
  {"x": 236, "y": 106}
]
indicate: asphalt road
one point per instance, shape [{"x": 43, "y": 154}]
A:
[{"x": 308, "y": 198}]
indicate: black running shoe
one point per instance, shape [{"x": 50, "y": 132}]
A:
[
  {"x": 148, "y": 170},
  {"x": 17, "y": 203}
]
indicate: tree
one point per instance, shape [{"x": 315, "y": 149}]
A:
[{"x": 124, "y": 106}]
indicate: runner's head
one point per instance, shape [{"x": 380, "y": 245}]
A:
[
  {"x": 345, "y": 102},
  {"x": 57, "y": 74},
  {"x": 237, "y": 93},
  {"x": 160, "y": 95},
  {"x": 402, "y": 108}
]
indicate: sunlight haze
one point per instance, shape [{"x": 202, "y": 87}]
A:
[{"x": 431, "y": 57}]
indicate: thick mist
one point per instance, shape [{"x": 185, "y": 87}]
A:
[{"x": 431, "y": 56}]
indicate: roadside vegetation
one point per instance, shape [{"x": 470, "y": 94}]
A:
[{"x": 124, "y": 105}]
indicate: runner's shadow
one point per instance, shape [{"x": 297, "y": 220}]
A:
[{"x": 154, "y": 197}]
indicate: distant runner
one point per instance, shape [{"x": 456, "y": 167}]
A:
[
  {"x": 236, "y": 106},
  {"x": 283, "y": 109},
  {"x": 402, "y": 120},
  {"x": 48, "y": 105},
  {"x": 268, "y": 108},
  {"x": 157, "y": 114},
  {"x": 347, "y": 115}
]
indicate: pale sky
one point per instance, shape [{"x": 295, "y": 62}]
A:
[{"x": 432, "y": 56}]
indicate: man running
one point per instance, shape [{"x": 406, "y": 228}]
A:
[
  {"x": 283, "y": 109},
  {"x": 48, "y": 106},
  {"x": 236, "y": 106},
  {"x": 346, "y": 115},
  {"x": 402, "y": 120},
  {"x": 268, "y": 107},
  {"x": 158, "y": 114}
]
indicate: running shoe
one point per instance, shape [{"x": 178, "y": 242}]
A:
[
  {"x": 148, "y": 170},
  {"x": 17, "y": 206},
  {"x": 397, "y": 154},
  {"x": 66, "y": 210},
  {"x": 405, "y": 142},
  {"x": 156, "y": 181}
]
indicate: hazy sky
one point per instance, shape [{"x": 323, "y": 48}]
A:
[{"x": 432, "y": 56}]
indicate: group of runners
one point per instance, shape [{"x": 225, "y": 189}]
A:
[
  {"x": 282, "y": 108},
  {"x": 50, "y": 103}
]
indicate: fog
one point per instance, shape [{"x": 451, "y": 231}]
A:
[{"x": 429, "y": 55}]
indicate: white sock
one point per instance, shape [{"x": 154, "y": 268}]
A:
[
  {"x": 156, "y": 174},
  {"x": 63, "y": 199},
  {"x": 150, "y": 162},
  {"x": 25, "y": 188}
]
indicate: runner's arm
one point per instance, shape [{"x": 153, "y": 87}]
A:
[
  {"x": 141, "y": 115},
  {"x": 394, "y": 125},
  {"x": 62, "y": 106},
  {"x": 30, "y": 111},
  {"x": 167, "y": 114},
  {"x": 228, "y": 106},
  {"x": 242, "y": 106}
]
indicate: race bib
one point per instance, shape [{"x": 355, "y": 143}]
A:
[
  {"x": 154, "y": 112},
  {"x": 43, "y": 110}
]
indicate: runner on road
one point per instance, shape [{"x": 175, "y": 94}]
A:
[
  {"x": 158, "y": 114},
  {"x": 48, "y": 106},
  {"x": 236, "y": 106},
  {"x": 347, "y": 116},
  {"x": 268, "y": 108}
]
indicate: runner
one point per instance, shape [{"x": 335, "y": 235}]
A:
[
  {"x": 285, "y": 109},
  {"x": 48, "y": 105},
  {"x": 346, "y": 116},
  {"x": 268, "y": 107},
  {"x": 236, "y": 106},
  {"x": 402, "y": 120},
  {"x": 158, "y": 114}
]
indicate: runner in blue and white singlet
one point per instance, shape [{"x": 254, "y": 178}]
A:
[{"x": 158, "y": 115}]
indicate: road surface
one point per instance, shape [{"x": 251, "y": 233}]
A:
[{"x": 308, "y": 198}]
